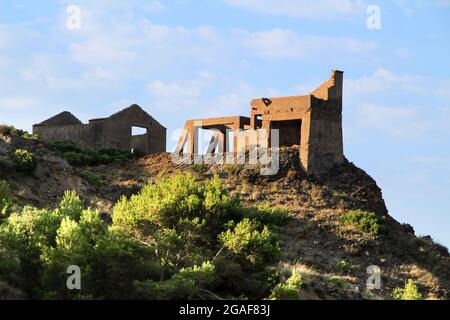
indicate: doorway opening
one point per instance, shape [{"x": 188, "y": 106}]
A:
[
  {"x": 290, "y": 132},
  {"x": 139, "y": 140}
]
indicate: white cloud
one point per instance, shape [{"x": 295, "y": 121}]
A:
[
  {"x": 399, "y": 122},
  {"x": 17, "y": 103},
  {"x": 385, "y": 81},
  {"x": 287, "y": 44},
  {"x": 303, "y": 8},
  {"x": 179, "y": 90},
  {"x": 401, "y": 106}
]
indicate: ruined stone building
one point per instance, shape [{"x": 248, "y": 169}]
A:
[
  {"x": 115, "y": 131},
  {"x": 313, "y": 122}
]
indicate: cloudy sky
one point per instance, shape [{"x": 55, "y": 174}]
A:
[{"x": 185, "y": 59}]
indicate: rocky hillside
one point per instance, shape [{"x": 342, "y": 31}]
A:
[{"x": 340, "y": 222}]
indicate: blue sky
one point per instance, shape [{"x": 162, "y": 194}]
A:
[{"x": 186, "y": 59}]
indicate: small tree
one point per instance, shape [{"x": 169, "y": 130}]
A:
[
  {"x": 24, "y": 160},
  {"x": 409, "y": 292}
]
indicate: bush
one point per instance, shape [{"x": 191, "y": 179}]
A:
[
  {"x": 287, "y": 290},
  {"x": 187, "y": 284},
  {"x": 366, "y": 222},
  {"x": 24, "y": 134},
  {"x": 177, "y": 239},
  {"x": 6, "y": 199},
  {"x": 91, "y": 177},
  {"x": 192, "y": 222},
  {"x": 6, "y": 130},
  {"x": 65, "y": 146},
  {"x": 79, "y": 157},
  {"x": 11, "y": 131},
  {"x": 41, "y": 244},
  {"x": 254, "y": 243},
  {"x": 345, "y": 266},
  {"x": 24, "y": 160},
  {"x": 409, "y": 292},
  {"x": 267, "y": 214}
]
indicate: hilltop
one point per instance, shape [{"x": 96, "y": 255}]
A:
[{"x": 328, "y": 246}]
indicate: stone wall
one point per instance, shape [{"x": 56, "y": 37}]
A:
[{"x": 112, "y": 132}]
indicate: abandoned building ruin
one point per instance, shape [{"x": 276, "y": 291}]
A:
[
  {"x": 114, "y": 132},
  {"x": 313, "y": 122}
]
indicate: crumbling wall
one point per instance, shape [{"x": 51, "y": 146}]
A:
[
  {"x": 106, "y": 133},
  {"x": 83, "y": 135},
  {"x": 326, "y": 139}
]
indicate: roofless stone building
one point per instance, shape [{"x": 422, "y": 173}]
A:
[
  {"x": 115, "y": 131},
  {"x": 313, "y": 122}
]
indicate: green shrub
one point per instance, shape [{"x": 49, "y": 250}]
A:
[
  {"x": 409, "y": 292},
  {"x": 192, "y": 222},
  {"x": 11, "y": 131},
  {"x": 267, "y": 214},
  {"x": 187, "y": 284},
  {"x": 24, "y": 134},
  {"x": 6, "y": 130},
  {"x": 366, "y": 222},
  {"x": 91, "y": 177},
  {"x": 177, "y": 239},
  {"x": 24, "y": 160},
  {"x": 288, "y": 290},
  {"x": 65, "y": 146},
  {"x": 254, "y": 243},
  {"x": 6, "y": 199},
  {"x": 79, "y": 157},
  {"x": 41, "y": 244},
  {"x": 345, "y": 266}
]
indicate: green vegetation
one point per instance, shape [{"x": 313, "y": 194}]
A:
[
  {"x": 345, "y": 266},
  {"x": 268, "y": 214},
  {"x": 177, "y": 239},
  {"x": 11, "y": 131},
  {"x": 6, "y": 200},
  {"x": 6, "y": 130},
  {"x": 24, "y": 160},
  {"x": 409, "y": 292},
  {"x": 337, "y": 285},
  {"x": 288, "y": 290},
  {"x": 91, "y": 177},
  {"x": 79, "y": 157},
  {"x": 366, "y": 222}
]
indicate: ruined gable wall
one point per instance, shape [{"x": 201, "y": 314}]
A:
[{"x": 118, "y": 131}]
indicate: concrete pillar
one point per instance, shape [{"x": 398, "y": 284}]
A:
[{"x": 222, "y": 136}]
